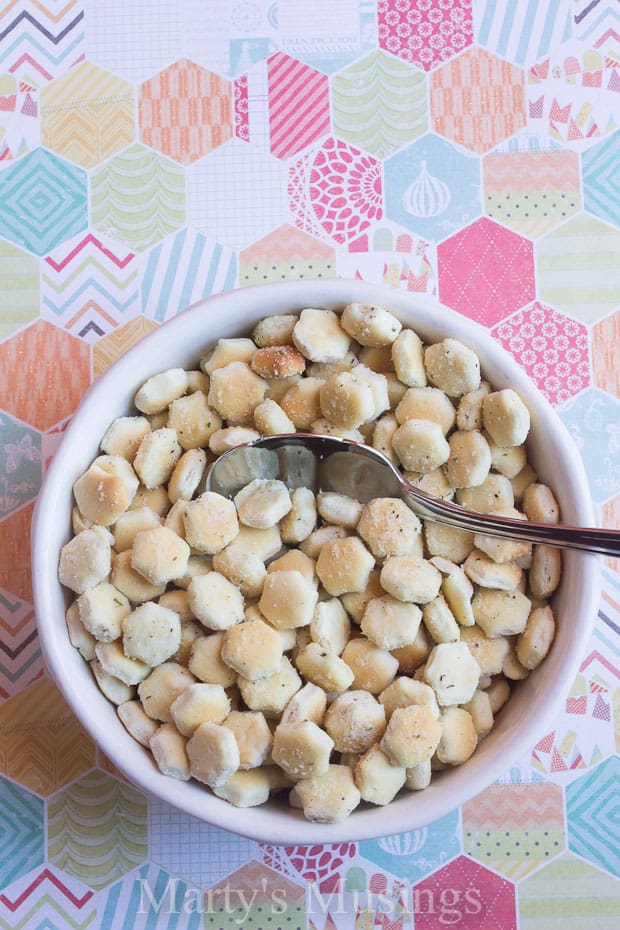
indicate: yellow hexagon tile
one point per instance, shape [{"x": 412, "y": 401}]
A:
[
  {"x": 87, "y": 114},
  {"x": 45, "y": 749},
  {"x": 116, "y": 343}
]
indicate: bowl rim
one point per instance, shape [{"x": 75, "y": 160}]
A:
[{"x": 262, "y": 823}]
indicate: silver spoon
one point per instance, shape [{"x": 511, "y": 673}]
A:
[{"x": 329, "y": 463}]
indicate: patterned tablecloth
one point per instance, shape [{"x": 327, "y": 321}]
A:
[{"x": 153, "y": 153}]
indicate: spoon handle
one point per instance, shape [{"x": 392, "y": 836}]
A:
[{"x": 592, "y": 539}]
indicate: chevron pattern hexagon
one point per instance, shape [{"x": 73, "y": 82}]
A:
[
  {"x": 21, "y": 831},
  {"x": 87, "y": 115},
  {"x": 153, "y": 154},
  {"x": 20, "y": 654},
  {"x": 56, "y": 751},
  {"x": 97, "y": 807},
  {"x": 89, "y": 285},
  {"x": 47, "y": 35},
  {"x": 591, "y": 810}
]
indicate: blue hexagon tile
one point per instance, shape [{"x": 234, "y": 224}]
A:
[
  {"x": 592, "y": 419},
  {"x": 432, "y": 188},
  {"x": 601, "y": 179},
  {"x": 182, "y": 269},
  {"x": 22, "y": 833},
  {"x": 414, "y": 855},
  {"x": 523, "y": 31},
  {"x": 43, "y": 201},
  {"x": 20, "y": 464},
  {"x": 150, "y": 897},
  {"x": 593, "y": 815}
]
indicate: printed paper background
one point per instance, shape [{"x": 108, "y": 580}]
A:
[{"x": 153, "y": 153}]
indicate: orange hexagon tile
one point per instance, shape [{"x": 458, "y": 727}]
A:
[
  {"x": 19, "y": 288},
  {"x": 605, "y": 359},
  {"x": 31, "y": 361},
  {"x": 531, "y": 192},
  {"x": 185, "y": 111},
  {"x": 15, "y": 553},
  {"x": 284, "y": 254},
  {"x": 515, "y": 828},
  {"x": 477, "y": 100},
  {"x": 42, "y": 751},
  {"x": 611, "y": 517},
  {"x": 116, "y": 343},
  {"x": 87, "y": 114}
]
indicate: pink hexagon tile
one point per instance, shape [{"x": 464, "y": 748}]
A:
[
  {"x": 322, "y": 864},
  {"x": 185, "y": 111},
  {"x": 464, "y": 894},
  {"x": 477, "y": 100},
  {"x": 531, "y": 192},
  {"x": 486, "y": 272},
  {"x": 424, "y": 33},
  {"x": 298, "y": 105},
  {"x": 335, "y": 191},
  {"x": 551, "y": 347}
]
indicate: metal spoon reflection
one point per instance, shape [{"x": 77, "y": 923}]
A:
[{"x": 328, "y": 463}]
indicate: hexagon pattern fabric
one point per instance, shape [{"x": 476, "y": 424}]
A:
[{"x": 152, "y": 154}]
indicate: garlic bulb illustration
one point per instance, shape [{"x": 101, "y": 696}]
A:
[
  {"x": 426, "y": 196},
  {"x": 404, "y": 844}
]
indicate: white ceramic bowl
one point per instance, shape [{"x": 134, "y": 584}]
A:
[{"x": 181, "y": 342}]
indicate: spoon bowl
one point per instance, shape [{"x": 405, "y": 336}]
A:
[{"x": 329, "y": 463}]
